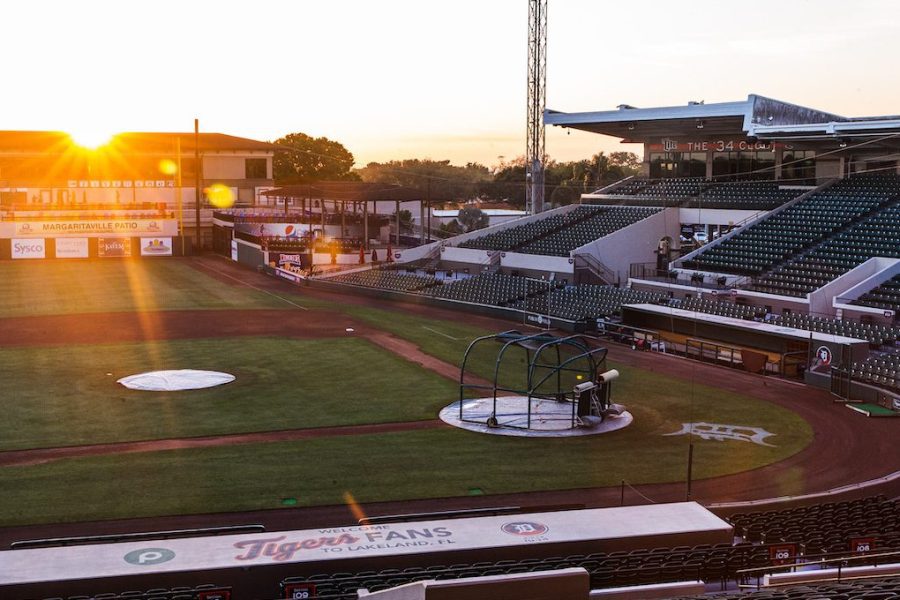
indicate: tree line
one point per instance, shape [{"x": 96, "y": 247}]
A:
[{"x": 303, "y": 159}]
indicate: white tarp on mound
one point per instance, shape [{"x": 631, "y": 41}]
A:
[{"x": 169, "y": 381}]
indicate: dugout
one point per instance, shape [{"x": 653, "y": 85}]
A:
[{"x": 783, "y": 346}]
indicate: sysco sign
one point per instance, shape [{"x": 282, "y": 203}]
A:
[{"x": 33, "y": 248}]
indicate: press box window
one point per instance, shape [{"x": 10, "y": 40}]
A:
[{"x": 255, "y": 168}]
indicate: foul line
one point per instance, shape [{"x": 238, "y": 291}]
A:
[
  {"x": 449, "y": 337},
  {"x": 259, "y": 289}
]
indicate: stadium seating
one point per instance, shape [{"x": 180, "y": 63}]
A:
[
  {"x": 876, "y": 335},
  {"x": 201, "y": 592},
  {"x": 587, "y": 302},
  {"x": 724, "y": 309},
  {"x": 782, "y": 236},
  {"x": 822, "y": 528},
  {"x": 849, "y": 589},
  {"x": 594, "y": 227},
  {"x": 658, "y": 192},
  {"x": 699, "y": 193},
  {"x": 878, "y": 235},
  {"x": 558, "y": 235},
  {"x": 886, "y": 296},
  {"x": 513, "y": 237},
  {"x": 882, "y": 369},
  {"x": 496, "y": 289},
  {"x": 743, "y": 195},
  {"x": 383, "y": 279}
]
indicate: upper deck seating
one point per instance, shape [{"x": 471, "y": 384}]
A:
[
  {"x": 878, "y": 235},
  {"x": 779, "y": 237}
]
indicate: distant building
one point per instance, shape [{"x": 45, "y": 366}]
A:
[{"x": 47, "y": 171}]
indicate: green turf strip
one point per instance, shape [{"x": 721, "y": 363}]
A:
[
  {"x": 65, "y": 287},
  {"x": 60, "y": 396},
  {"x": 873, "y": 410}
]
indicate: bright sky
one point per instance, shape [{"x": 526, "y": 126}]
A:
[{"x": 417, "y": 79}]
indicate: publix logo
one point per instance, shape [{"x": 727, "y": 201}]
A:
[
  {"x": 525, "y": 528},
  {"x": 149, "y": 556}
]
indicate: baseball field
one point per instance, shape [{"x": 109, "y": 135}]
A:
[{"x": 335, "y": 400}]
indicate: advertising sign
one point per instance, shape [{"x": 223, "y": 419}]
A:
[
  {"x": 295, "y": 259},
  {"x": 118, "y": 247},
  {"x": 156, "y": 246},
  {"x": 88, "y": 228},
  {"x": 34, "y": 248},
  {"x": 733, "y": 145},
  {"x": 71, "y": 247},
  {"x": 291, "y": 231},
  {"x": 234, "y": 250}
]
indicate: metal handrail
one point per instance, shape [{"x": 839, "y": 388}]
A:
[{"x": 741, "y": 573}]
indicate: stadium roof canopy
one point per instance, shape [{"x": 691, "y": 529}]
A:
[
  {"x": 133, "y": 142},
  {"x": 350, "y": 191},
  {"x": 757, "y": 116}
]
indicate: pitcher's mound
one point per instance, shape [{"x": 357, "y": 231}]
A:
[{"x": 170, "y": 381}]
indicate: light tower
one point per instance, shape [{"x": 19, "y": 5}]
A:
[{"x": 537, "y": 83}]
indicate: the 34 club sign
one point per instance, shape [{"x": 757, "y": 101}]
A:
[{"x": 669, "y": 145}]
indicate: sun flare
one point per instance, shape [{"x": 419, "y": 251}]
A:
[{"x": 91, "y": 139}]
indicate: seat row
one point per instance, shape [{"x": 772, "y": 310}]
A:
[
  {"x": 207, "y": 591},
  {"x": 764, "y": 245},
  {"x": 386, "y": 280}
]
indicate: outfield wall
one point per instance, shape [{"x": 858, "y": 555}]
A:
[{"x": 75, "y": 248}]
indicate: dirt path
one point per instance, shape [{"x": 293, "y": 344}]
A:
[{"x": 19, "y": 458}]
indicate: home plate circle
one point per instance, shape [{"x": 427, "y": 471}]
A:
[
  {"x": 548, "y": 418},
  {"x": 170, "y": 381}
]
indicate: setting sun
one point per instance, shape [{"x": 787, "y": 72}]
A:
[{"x": 91, "y": 139}]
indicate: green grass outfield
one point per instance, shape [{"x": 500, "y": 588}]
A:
[
  {"x": 394, "y": 466},
  {"x": 57, "y": 395},
  {"x": 65, "y": 287},
  {"x": 68, "y": 395}
]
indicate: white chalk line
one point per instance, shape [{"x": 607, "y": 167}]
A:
[{"x": 259, "y": 289}]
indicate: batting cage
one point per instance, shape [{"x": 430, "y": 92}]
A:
[{"x": 531, "y": 370}]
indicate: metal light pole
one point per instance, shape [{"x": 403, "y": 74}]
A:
[{"x": 537, "y": 83}]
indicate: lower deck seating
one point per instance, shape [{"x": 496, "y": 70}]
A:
[
  {"x": 201, "y": 592},
  {"x": 386, "y": 280},
  {"x": 821, "y": 528},
  {"x": 588, "y": 302},
  {"x": 882, "y": 369},
  {"x": 870, "y": 589},
  {"x": 876, "y": 335}
]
